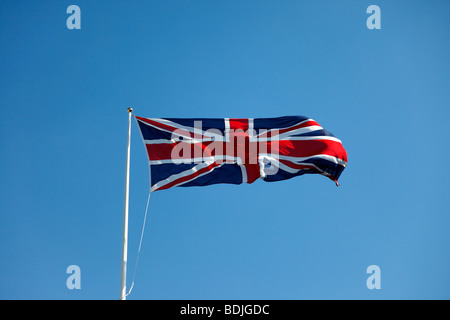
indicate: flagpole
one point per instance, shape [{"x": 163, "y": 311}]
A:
[{"x": 123, "y": 269}]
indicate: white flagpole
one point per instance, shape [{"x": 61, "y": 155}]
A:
[{"x": 123, "y": 269}]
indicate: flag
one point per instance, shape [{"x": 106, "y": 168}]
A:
[{"x": 186, "y": 152}]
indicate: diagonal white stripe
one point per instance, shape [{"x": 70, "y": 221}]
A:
[
  {"x": 183, "y": 174},
  {"x": 287, "y": 128}
]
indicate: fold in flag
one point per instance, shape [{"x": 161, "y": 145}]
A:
[{"x": 201, "y": 152}]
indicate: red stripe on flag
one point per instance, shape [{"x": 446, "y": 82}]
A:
[
  {"x": 298, "y": 166},
  {"x": 179, "y": 150},
  {"x": 308, "y": 148},
  {"x": 239, "y": 124}
]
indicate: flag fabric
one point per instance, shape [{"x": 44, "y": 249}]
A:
[{"x": 186, "y": 152}]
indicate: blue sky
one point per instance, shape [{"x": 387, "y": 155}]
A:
[{"x": 63, "y": 98}]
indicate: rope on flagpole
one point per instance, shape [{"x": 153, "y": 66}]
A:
[{"x": 140, "y": 244}]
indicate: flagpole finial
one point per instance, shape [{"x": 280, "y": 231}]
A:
[{"x": 130, "y": 109}]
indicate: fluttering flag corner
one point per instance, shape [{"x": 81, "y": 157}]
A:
[{"x": 186, "y": 152}]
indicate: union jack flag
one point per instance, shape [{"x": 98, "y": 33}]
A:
[{"x": 200, "y": 152}]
